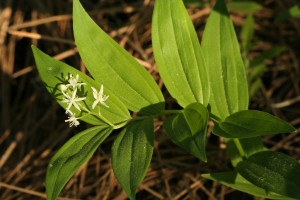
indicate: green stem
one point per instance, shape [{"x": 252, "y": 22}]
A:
[
  {"x": 165, "y": 112},
  {"x": 239, "y": 147},
  {"x": 170, "y": 112},
  {"x": 122, "y": 124}
]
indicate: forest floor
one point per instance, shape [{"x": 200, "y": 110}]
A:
[{"x": 32, "y": 126}]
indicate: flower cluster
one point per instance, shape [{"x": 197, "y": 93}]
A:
[{"x": 69, "y": 91}]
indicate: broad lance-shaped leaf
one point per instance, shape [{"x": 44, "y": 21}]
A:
[
  {"x": 178, "y": 54},
  {"x": 251, "y": 123},
  {"x": 272, "y": 171},
  {"x": 131, "y": 154},
  {"x": 236, "y": 181},
  {"x": 71, "y": 156},
  {"x": 111, "y": 65},
  {"x": 188, "y": 129},
  {"x": 244, "y": 6},
  {"x": 229, "y": 90},
  {"x": 53, "y": 73},
  {"x": 246, "y": 36}
]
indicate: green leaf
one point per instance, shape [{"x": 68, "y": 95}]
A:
[
  {"x": 131, "y": 154},
  {"x": 236, "y": 181},
  {"x": 229, "y": 90},
  {"x": 273, "y": 171},
  {"x": 178, "y": 54},
  {"x": 292, "y": 12},
  {"x": 256, "y": 72},
  {"x": 53, "y": 73},
  {"x": 71, "y": 156},
  {"x": 253, "y": 123},
  {"x": 220, "y": 132},
  {"x": 188, "y": 129},
  {"x": 112, "y": 66},
  {"x": 268, "y": 54},
  {"x": 254, "y": 87},
  {"x": 247, "y": 33},
  {"x": 244, "y": 6}
]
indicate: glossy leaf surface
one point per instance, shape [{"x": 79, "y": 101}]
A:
[
  {"x": 53, "y": 73},
  {"x": 188, "y": 129},
  {"x": 71, "y": 156},
  {"x": 252, "y": 123},
  {"x": 178, "y": 54},
  {"x": 236, "y": 181},
  {"x": 273, "y": 171},
  {"x": 229, "y": 90},
  {"x": 131, "y": 154},
  {"x": 111, "y": 65}
]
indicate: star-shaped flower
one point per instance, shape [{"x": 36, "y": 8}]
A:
[
  {"x": 72, "y": 100},
  {"x": 73, "y": 82},
  {"x": 73, "y": 121},
  {"x": 99, "y": 97}
]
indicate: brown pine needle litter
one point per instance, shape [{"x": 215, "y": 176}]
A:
[{"x": 32, "y": 125}]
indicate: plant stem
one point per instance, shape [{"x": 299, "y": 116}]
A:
[
  {"x": 169, "y": 112},
  {"x": 239, "y": 147},
  {"x": 165, "y": 112}
]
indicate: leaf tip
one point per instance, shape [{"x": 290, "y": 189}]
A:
[{"x": 34, "y": 48}]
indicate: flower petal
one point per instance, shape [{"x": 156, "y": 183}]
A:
[
  {"x": 94, "y": 104},
  {"x": 103, "y": 103},
  {"x": 94, "y": 92},
  {"x": 101, "y": 91},
  {"x": 76, "y": 106}
]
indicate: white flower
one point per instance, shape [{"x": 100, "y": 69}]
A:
[
  {"x": 99, "y": 97},
  {"x": 73, "y": 121},
  {"x": 63, "y": 87},
  {"x": 72, "y": 100},
  {"x": 73, "y": 82}
]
